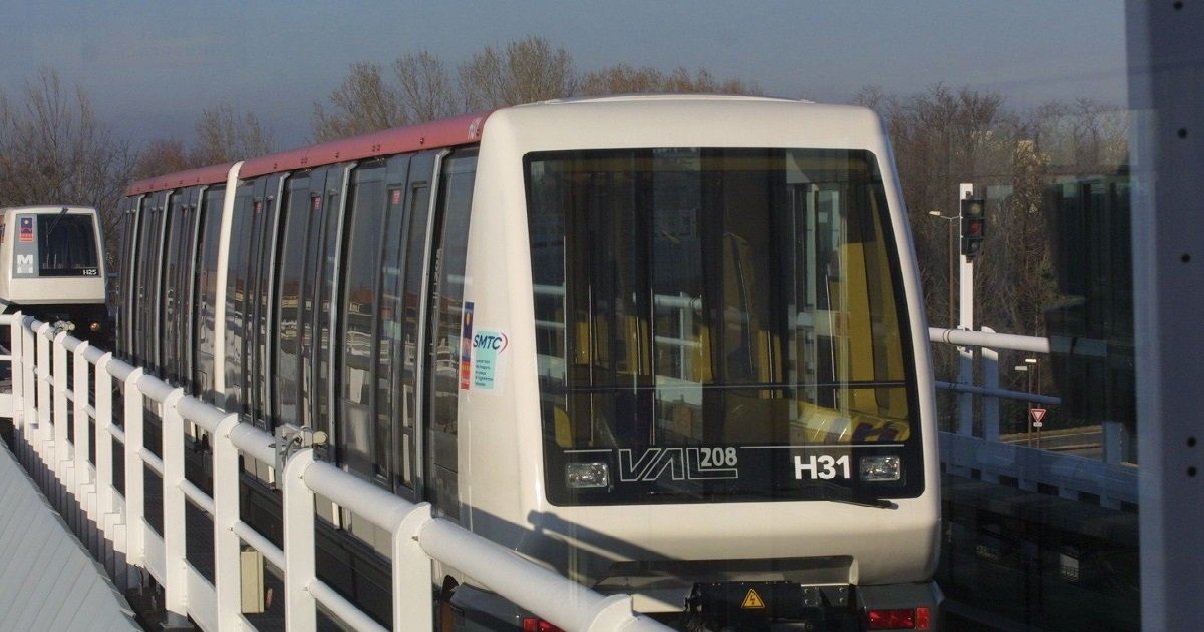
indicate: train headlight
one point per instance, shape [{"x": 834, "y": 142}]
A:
[
  {"x": 587, "y": 475},
  {"x": 881, "y": 468}
]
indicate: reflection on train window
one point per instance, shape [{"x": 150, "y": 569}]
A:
[
  {"x": 66, "y": 245},
  {"x": 358, "y": 436},
  {"x": 445, "y": 313},
  {"x": 694, "y": 296}
]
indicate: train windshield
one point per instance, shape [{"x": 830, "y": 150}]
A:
[
  {"x": 66, "y": 245},
  {"x": 719, "y": 323}
]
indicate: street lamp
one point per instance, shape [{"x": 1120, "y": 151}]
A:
[
  {"x": 952, "y": 245},
  {"x": 1028, "y": 424},
  {"x": 1034, "y": 377}
]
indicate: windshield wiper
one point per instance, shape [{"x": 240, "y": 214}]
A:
[
  {"x": 55, "y": 224},
  {"x": 841, "y": 494}
]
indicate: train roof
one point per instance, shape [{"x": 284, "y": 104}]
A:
[
  {"x": 459, "y": 130},
  {"x": 48, "y": 208},
  {"x": 203, "y": 175}
]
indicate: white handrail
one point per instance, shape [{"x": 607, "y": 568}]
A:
[
  {"x": 41, "y": 387},
  {"x": 1035, "y": 344}
]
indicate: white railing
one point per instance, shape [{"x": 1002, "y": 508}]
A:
[
  {"x": 114, "y": 526},
  {"x": 1110, "y": 480}
]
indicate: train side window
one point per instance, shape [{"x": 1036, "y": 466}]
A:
[
  {"x": 362, "y": 443},
  {"x": 236, "y": 293},
  {"x": 257, "y": 304},
  {"x": 125, "y": 282},
  {"x": 190, "y": 264},
  {"x": 328, "y": 195},
  {"x": 150, "y": 265},
  {"x": 446, "y": 313},
  {"x": 209, "y": 233},
  {"x": 173, "y": 223},
  {"x": 415, "y": 219},
  {"x": 296, "y": 207}
]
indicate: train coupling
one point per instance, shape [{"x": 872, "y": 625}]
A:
[{"x": 769, "y": 606}]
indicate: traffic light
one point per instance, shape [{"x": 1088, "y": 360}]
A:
[{"x": 974, "y": 226}]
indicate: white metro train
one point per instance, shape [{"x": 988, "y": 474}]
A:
[
  {"x": 669, "y": 346},
  {"x": 52, "y": 267}
]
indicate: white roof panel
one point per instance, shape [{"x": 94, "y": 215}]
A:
[{"x": 47, "y": 580}]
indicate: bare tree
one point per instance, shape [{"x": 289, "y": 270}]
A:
[
  {"x": 703, "y": 82},
  {"x": 622, "y": 79},
  {"x": 425, "y": 92},
  {"x": 224, "y": 135},
  {"x": 161, "y": 156},
  {"x": 625, "y": 79},
  {"x": 527, "y": 70},
  {"x": 53, "y": 150},
  {"x": 363, "y": 103}
]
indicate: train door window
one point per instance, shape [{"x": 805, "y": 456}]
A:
[
  {"x": 261, "y": 252},
  {"x": 445, "y": 317},
  {"x": 189, "y": 267},
  {"x": 236, "y": 298},
  {"x": 149, "y": 281},
  {"x": 327, "y": 287},
  {"x": 313, "y": 255},
  {"x": 209, "y": 234},
  {"x": 415, "y": 221},
  {"x": 173, "y": 229},
  {"x": 124, "y": 282},
  {"x": 297, "y": 210},
  {"x": 126, "y": 285},
  {"x": 362, "y": 441},
  {"x": 266, "y": 318}
]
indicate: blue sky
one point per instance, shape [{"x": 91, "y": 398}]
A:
[{"x": 152, "y": 67}]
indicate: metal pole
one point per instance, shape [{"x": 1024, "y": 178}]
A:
[{"x": 965, "y": 374}]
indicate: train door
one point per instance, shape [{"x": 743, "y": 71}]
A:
[
  {"x": 291, "y": 295},
  {"x": 409, "y": 191},
  {"x": 447, "y": 324},
  {"x": 361, "y": 440},
  {"x": 127, "y": 285},
  {"x": 176, "y": 230},
  {"x": 149, "y": 281},
  {"x": 205, "y": 313},
  {"x": 237, "y": 285},
  {"x": 327, "y": 195},
  {"x": 259, "y": 305},
  {"x": 186, "y": 284}
]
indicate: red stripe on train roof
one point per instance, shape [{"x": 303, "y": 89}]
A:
[
  {"x": 202, "y": 175},
  {"x": 460, "y": 130}
]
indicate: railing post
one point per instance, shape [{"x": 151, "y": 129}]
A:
[
  {"x": 62, "y": 464},
  {"x": 411, "y": 573},
  {"x": 226, "y": 545},
  {"x": 80, "y": 420},
  {"x": 104, "y": 506},
  {"x": 44, "y": 443},
  {"x": 990, "y": 403},
  {"x": 16, "y": 340},
  {"x": 29, "y": 386},
  {"x": 134, "y": 492},
  {"x": 299, "y": 566},
  {"x": 174, "y": 508}
]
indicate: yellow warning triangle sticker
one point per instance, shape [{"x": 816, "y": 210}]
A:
[{"x": 752, "y": 600}]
